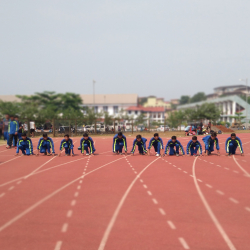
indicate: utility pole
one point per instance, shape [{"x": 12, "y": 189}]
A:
[
  {"x": 246, "y": 81},
  {"x": 94, "y": 93}
]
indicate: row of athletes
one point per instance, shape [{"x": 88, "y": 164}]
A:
[{"x": 173, "y": 147}]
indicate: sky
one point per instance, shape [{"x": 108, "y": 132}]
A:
[{"x": 159, "y": 47}]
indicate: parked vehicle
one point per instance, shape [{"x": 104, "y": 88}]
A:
[{"x": 162, "y": 128}]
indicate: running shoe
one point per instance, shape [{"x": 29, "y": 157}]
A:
[
  {"x": 177, "y": 154},
  {"x": 157, "y": 155}
]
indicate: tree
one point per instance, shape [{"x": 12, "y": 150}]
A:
[
  {"x": 208, "y": 111},
  {"x": 11, "y": 108},
  {"x": 200, "y": 96},
  {"x": 140, "y": 119},
  {"x": 238, "y": 118},
  {"x": 184, "y": 99}
]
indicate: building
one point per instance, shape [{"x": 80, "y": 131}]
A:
[
  {"x": 229, "y": 90},
  {"x": 229, "y": 105},
  {"x": 153, "y": 101},
  {"x": 152, "y": 114}
]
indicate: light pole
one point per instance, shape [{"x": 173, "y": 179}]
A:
[{"x": 245, "y": 80}]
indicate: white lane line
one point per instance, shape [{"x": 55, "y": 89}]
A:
[
  {"x": 12, "y": 187},
  {"x": 58, "y": 245},
  {"x": 205, "y": 160},
  {"x": 117, "y": 210},
  {"x": 69, "y": 213},
  {"x": 235, "y": 171},
  {"x": 162, "y": 211},
  {"x": 247, "y": 208},
  {"x": 191, "y": 175},
  {"x": 10, "y": 160},
  {"x": 209, "y": 186},
  {"x": 76, "y": 194},
  {"x": 35, "y": 205},
  {"x": 199, "y": 180},
  {"x": 174, "y": 166},
  {"x": 171, "y": 224},
  {"x": 219, "y": 192},
  {"x": 233, "y": 200},
  {"x": 80, "y": 181},
  {"x": 218, "y": 166},
  {"x": 183, "y": 243},
  {"x": 83, "y": 173},
  {"x": 73, "y": 203},
  {"x": 135, "y": 172},
  {"x": 145, "y": 186},
  {"x": 133, "y": 169},
  {"x": 170, "y": 163},
  {"x": 210, "y": 212},
  {"x": 155, "y": 201},
  {"x": 149, "y": 193},
  {"x": 19, "y": 182},
  {"x": 79, "y": 187},
  {"x": 64, "y": 227},
  {"x": 185, "y": 172},
  {"x": 226, "y": 168},
  {"x": 243, "y": 170},
  {"x": 2, "y": 194},
  {"x": 179, "y": 168},
  {"x": 141, "y": 180},
  {"x": 211, "y": 162}
]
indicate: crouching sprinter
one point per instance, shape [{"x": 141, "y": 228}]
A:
[
  {"x": 194, "y": 147},
  {"x": 45, "y": 145},
  {"x": 67, "y": 145},
  {"x": 157, "y": 143},
  {"x": 119, "y": 141},
  {"x": 87, "y": 144},
  {"x": 174, "y": 143},
  {"x": 141, "y": 143},
  {"x": 25, "y": 145},
  {"x": 232, "y": 143},
  {"x": 211, "y": 141}
]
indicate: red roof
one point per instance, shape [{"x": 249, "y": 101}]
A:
[{"x": 146, "y": 109}]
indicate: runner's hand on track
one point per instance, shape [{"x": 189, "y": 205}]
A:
[
  {"x": 227, "y": 154},
  {"x": 37, "y": 154},
  {"x": 59, "y": 154},
  {"x": 126, "y": 153},
  {"x": 16, "y": 154},
  {"x": 218, "y": 153},
  {"x": 242, "y": 154}
]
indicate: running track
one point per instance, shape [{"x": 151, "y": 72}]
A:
[{"x": 116, "y": 202}]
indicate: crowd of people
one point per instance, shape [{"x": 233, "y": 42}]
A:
[{"x": 173, "y": 146}]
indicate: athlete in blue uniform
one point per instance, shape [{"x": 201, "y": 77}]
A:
[
  {"x": 232, "y": 143},
  {"x": 157, "y": 143},
  {"x": 211, "y": 141},
  {"x": 119, "y": 141},
  {"x": 25, "y": 145},
  {"x": 13, "y": 131},
  {"x": 194, "y": 147},
  {"x": 45, "y": 144},
  {"x": 173, "y": 142},
  {"x": 66, "y": 144},
  {"x": 87, "y": 144},
  {"x": 141, "y": 143}
]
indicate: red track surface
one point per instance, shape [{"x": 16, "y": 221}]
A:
[{"x": 117, "y": 202}]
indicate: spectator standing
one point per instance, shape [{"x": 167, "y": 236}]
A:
[{"x": 32, "y": 129}]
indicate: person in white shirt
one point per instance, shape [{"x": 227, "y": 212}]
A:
[{"x": 32, "y": 129}]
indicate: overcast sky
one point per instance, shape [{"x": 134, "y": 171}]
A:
[{"x": 166, "y": 48}]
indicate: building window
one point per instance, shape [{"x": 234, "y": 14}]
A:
[
  {"x": 154, "y": 115},
  {"x": 136, "y": 112},
  {"x": 105, "y": 108},
  {"x": 96, "y": 109},
  {"x": 115, "y": 109},
  {"x": 159, "y": 115},
  {"x": 129, "y": 112}
]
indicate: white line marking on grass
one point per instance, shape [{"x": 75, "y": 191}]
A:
[
  {"x": 145, "y": 186},
  {"x": 73, "y": 203},
  {"x": 2, "y": 194},
  {"x": 162, "y": 211},
  {"x": 183, "y": 243},
  {"x": 12, "y": 187},
  {"x": 149, "y": 193},
  {"x": 171, "y": 224},
  {"x": 233, "y": 200},
  {"x": 247, "y": 174},
  {"x": 69, "y": 213},
  {"x": 247, "y": 208},
  {"x": 79, "y": 187},
  {"x": 210, "y": 212},
  {"x": 64, "y": 227},
  {"x": 155, "y": 201},
  {"x": 58, "y": 245},
  {"x": 219, "y": 192},
  {"x": 31, "y": 208},
  {"x": 117, "y": 210}
]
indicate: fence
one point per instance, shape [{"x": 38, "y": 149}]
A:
[{"x": 76, "y": 127}]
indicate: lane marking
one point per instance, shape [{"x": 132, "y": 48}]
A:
[
  {"x": 171, "y": 224},
  {"x": 191, "y": 175},
  {"x": 29, "y": 209},
  {"x": 135, "y": 172},
  {"x": 183, "y": 243},
  {"x": 79, "y": 187},
  {"x": 185, "y": 172},
  {"x": 64, "y": 227},
  {"x": 80, "y": 181},
  {"x": 199, "y": 180},
  {"x": 179, "y": 168},
  {"x": 10, "y": 160},
  {"x": 218, "y": 166},
  {"x": 219, "y": 192},
  {"x": 247, "y": 208},
  {"x": 11, "y": 188},
  {"x": 209, "y": 186},
  {"x": 73, "y": 202},
  {"x": 145, "y": 186},
  {"x": 155, "y": 201},
  {"x": 19, "y": 182},
  {"x": 117, "y": 210},
  {"x": 2, "y": 194},
  {"x": 162, "y": 211},
  {"x": 226, "y": 168},
  {"x": 149, "y": 193},
  {"x": 141, "y": 180},
  {"x": 235, "y": 171},
  {"x": 210, "y": 212},
  {"x": 69, "y": 213},
  {"x": 233, "y": 200},
  {"x": 76, "y": 194},
  {"x": 58, "y": 245},
  {"x": 243, "y": 170}
]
